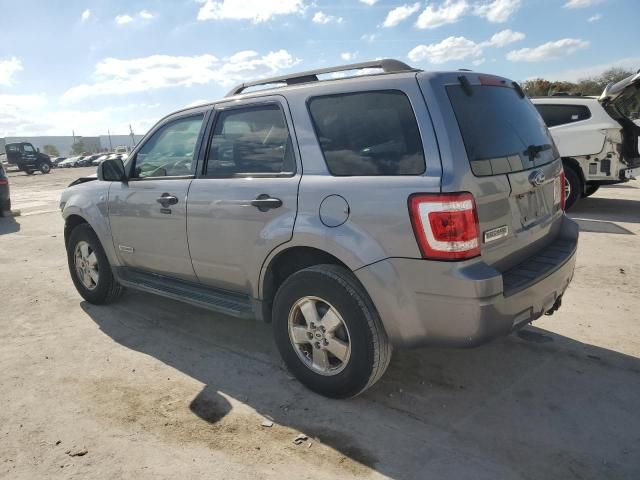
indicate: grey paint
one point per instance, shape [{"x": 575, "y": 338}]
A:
[{"x": 217, "y": 239}]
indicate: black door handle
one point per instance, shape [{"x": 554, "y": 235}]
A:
[
  {"x": 264, "y": 202},
  {"x": 167, "y": 199}
]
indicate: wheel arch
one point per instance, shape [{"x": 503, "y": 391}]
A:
[
  {"x": 71, "y": 222},
  {"x": 575, "y": 165}
]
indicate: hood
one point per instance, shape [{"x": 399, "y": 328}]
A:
[{"x": 628, "y": 86}]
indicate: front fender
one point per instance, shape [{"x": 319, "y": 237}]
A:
[{"x": 90, "y": 202}]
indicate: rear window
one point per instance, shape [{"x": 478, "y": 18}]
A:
[
  {"x": 502, "y": 132},
  {"x": 368, "y": 133},
  {"x": 554, "y": 115}
]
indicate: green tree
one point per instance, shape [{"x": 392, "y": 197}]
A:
[
  {"x": 51, "y": 150},
  {"x": 78, "y": 147}
]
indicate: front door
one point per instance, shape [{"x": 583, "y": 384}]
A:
[
  {"x": 243, "y": 203},
  {"x": 148, "y": 212}
]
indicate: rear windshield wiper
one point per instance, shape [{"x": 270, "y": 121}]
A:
[{"x": 532, "y": 151}]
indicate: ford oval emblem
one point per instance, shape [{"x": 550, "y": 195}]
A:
[{"x": 537, "y": 178}]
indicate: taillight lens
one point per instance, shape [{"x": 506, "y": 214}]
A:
[
  {"x": 4, "y": 181},
  {"x": 445, "y": 225},
  {"x": 560, "y": 192}
]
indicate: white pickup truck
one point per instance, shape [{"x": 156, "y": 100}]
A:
[{"x": 597, "y": 137}]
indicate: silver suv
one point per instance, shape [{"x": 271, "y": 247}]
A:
[{"x": 399, "y": 208}]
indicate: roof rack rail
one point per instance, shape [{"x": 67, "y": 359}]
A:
[{"x": 387, "y": 65}]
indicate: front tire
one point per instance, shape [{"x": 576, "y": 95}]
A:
[
  {"x": 573, "y": 187},
  {"x": 329, "y": 333},
  {"x": 44, "y": 167},
  {"x": 89, "y": 267}
]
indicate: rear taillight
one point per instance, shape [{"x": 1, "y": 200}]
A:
[
  {"x": 4, "y": 181},
  {"x": 559, "y": 190},
  {"x": 445, "y": 225}
]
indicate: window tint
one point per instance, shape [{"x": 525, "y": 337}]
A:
[
  {"x": 369, "y": 133},
  {"x": 502, "y": 132},
  {"x": 562, "y": 114},
  {"x": 250, "y": 140},
  {"x": 170, "y": 151}
]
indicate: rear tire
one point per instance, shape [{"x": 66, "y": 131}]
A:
[
  {"x": 590, "y": 190},
  {"x": 101, "y": 287},
  {"x": 28, "y": 171},
  {"x": 573, "y": 187},
  {"x": 351, "y": 356}
]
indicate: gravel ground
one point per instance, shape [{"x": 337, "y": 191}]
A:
[{"x": 150, "y": 388}]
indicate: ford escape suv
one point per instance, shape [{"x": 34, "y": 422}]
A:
[{"x": 393, "y": 209}]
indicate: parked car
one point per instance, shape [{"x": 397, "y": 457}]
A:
[
  {"x": 355, "y": 214},
  {"x": 55, "y": 161},
  {"x": 5, "y": 198},
  {"x": 100, "y": 158},
  {"x": 596, "y": 136},
  {"x": 27, "y": 158},
  {"x": 86, "y": 161},
  {"x": 69, "y": 162}
]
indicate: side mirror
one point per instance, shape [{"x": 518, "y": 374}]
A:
[{"x": 112, "y": 170}]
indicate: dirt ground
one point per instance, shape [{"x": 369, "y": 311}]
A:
[{"x": 152, "y": 389}]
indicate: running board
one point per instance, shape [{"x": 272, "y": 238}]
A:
[{"x": 221, "y": 301}]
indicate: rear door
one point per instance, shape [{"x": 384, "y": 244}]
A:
[
  {"x": 244, "y": 200},
  {"x": 495, "y": 145}
]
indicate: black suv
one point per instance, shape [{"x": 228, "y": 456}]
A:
[{"x": 27, "y": 158}]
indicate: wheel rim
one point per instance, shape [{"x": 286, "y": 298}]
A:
[
  {"x": 319, "y": 336},
  {"x": 86, "y": 263},
  {"x": 45, "y": 168},
  {"x": 567, "y": 189}
]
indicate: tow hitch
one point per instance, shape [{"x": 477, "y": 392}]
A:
[{"x": 556, "y": 306}]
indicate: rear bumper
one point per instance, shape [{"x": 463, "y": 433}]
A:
[{"x": 466, "y": 304}]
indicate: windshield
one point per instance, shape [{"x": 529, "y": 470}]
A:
[{"x": 502, "y": 131}]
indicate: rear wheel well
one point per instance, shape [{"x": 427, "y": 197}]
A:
[
  {"x": 573, "y": 164},
  {"x": 72, "y": 222},
  {"x": 285, "y": 264}
]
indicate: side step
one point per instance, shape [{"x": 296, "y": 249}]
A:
[{"x": 222, "y": 301}]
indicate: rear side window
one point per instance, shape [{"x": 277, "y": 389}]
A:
[
  {"x": 554, "y": 115},
  {"x": 368, "y": 133},
  {"x": 502, "y": 132}
]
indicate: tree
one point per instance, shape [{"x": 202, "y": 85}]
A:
[
  {"x": 586, "y": 86},
  {"x": 78, "y": 147},
  {"x": 51, "y": 150}
]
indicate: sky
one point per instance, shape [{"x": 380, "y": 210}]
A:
[{"x": 90, "y": 66}]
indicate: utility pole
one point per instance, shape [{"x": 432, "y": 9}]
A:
[{"x": 110, "y": 144}]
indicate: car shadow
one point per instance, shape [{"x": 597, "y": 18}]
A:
[
  {"x": 532, "y": 405},
  {"x": 606, "y": 209},
  {"x": 8, "y": 224}
]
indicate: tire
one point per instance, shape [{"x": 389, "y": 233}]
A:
[
  {"x": 28, "y": 171},
  {"x": 330, "y": 287},
  {"x": 106, "y": 289},
  {"x": 573, "y": 186},
  {"x": 590, "y": 190},
  {"x": 44, "y": 167}
]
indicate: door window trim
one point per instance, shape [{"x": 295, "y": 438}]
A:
[
  {"x": 213, "y": 122},
  {"x": 168, "y": 121}
]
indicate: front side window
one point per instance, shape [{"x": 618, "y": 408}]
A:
[
  {"x": 170, "y": 151},
  {"x": 28, "y": 148},
  {"x": 250, "y": 140},
  {"x": 368, "y": 133},
  {"x": 554, "y": 115}
]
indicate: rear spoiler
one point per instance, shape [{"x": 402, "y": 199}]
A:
[{"x": 614, "y": 90}]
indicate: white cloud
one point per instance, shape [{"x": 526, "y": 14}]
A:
[
  {"x": 117, "y": 77},
  {"x": 369, "y": 37},
  {"x": 548, "y": 51},
  {"x": 348, "y": 56},
  {"x": 399, "y": 14},
  {"x": 449, "y": 12},
  {"x": 123, "y": 19},
  {"x": 581, "y": 3},
  {"x": 322, "y": 18},
  {"x": 255, "y": 10},
  {"x": 497, "y": 11},
  {"x": 8, "y": 69},
  {"x": 85, "y": 15},
  {"x": 369, "y": 2},
  {"x": 451, "y": 48},
  {"x": 505, "y": 37},
  {"x": 146, "y": 15},
  {"x": 594, "y": 18},
  {"x": 479, "y": 61}
]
